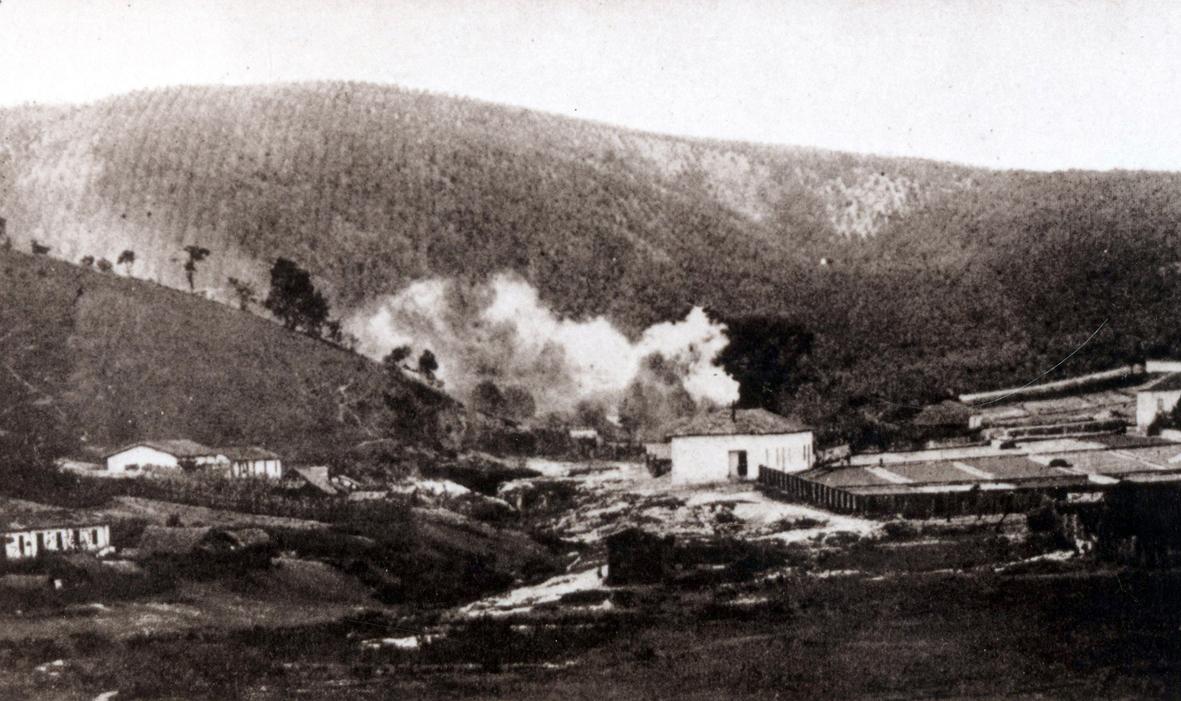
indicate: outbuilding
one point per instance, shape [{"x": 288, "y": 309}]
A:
[
  {"x": 169, "y": 454},
  {"x": 732, "y": 444},
  {"x": 253, "y": 462},
  {"x": 309, "y": 481},
  {"x": 30, "y": 538}
]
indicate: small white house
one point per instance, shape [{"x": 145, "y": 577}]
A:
[
  {"x": 252, "y": 461},
  {"x": 163, "y": 454},
  {"x": 731, "y": 445},
  {"x": 23, "y": 541},
  {"x": 587, "y": 434},
  {"x": 1158, "y": 398}
]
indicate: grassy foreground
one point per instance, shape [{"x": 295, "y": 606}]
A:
[{"x": 1098, "y": 634}]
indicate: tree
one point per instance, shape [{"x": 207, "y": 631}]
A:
[
  {"x": 38, "y": 249},
  {"x": 294, "y": 299},
  {"x": 126, "y": 259},
  {"x": 87, "y": 261},
  {"x": 333, "y": 331},
  {"x": 103, "y": 265},
  {"x": 394, "y": 359},
  {"x": 244, "y": 291},
  {"x": 427, "y": 363},
  {"x": 765, "y": 355},
  {"x": 196, "y": 255},
  {"x": 488, "y": 398},
  {"x": 519, "y": 403},
  {"x": 589, "y": 414}
]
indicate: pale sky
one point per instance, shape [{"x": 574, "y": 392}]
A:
[{"x": 1043, "y": 85}]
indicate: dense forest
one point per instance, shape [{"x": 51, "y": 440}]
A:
[{"x": 890, "y": 282}]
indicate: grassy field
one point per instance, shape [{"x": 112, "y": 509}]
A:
[
  {"x": 123, "y": 359},
  {"x": 1108, "y": 634}
]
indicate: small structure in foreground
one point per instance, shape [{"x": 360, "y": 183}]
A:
[
  {"x": 731, "y": 444},
  {"x": 34, "y": 536},
  {"x": 213, "y": 545}
]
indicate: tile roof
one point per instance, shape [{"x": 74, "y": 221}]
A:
[
  {"x": 1168, "y": 383},
  {"x": 179, "y": 447},
  {"x": 20, "y": 515},
  {"x": 248, "y": 452},
  {"x": 945, "y": 413},
  {"x": 317, "y": 477},
  {"x": 726, "y": 422}
]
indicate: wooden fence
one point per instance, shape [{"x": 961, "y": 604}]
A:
[
  {"x": 909, "y": 504},
  {"x": 821, "y": 495}
]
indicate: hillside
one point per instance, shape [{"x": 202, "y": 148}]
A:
[
  {"x": 942, "y": 279},
  {"x": 109, "y": 360},
  {"x": 375, "y": 186}
]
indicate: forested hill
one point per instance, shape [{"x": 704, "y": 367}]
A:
[
  {"x": 374, "y": 186},
  {"x": 941, "y": 278}
]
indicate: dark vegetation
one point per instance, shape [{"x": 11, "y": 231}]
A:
[{"x": 294, "y": 299}]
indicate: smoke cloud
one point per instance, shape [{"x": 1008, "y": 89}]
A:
[{"x": 500, "y": 330}]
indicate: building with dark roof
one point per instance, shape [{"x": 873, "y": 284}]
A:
[
  {"x": 29, "y": 538},
  {"x": 253, "y": 461},
  {"x": 167, "y": 454},
  {"x": 731, "y": 445},
  {"x": 948, "y": 414},
  {"x": 310, "y": 481}
]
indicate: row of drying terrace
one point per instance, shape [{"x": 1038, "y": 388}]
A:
[{"x": 1008, "y": 473}]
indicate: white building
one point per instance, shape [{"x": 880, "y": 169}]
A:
[
  {"x": 252, "y": 461},
  {"x": 25, "y": 540},
  {"x": 731, "y": 445},
  {"x": 163, "y": 455},
  {"x": 589, "y": 435},
  {"x": 1158, "y": 398}
]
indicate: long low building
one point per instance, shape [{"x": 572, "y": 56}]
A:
[
  {"x": 174, "y": 454},
  {"x": 30, "y": 531},
  {"x": 1001, "y": 480},
  {"x": 169, "y": 454}
]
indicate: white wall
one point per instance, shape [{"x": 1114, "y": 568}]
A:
[
  {"x": 82, "y": 538},
  {"x": 1149, "y": 404},
  {"x": 269, "y": 469},
  {"x": 143, "y": 456},
  {"x": 658, "y": 451},
  {"x": 700, "y": 459}
]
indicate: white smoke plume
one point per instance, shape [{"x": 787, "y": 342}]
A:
[{"x": 500, "y": 330}]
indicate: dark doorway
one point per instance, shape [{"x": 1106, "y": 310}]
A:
[{"x": 738, "y": 464}]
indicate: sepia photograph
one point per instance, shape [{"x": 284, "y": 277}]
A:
[{"x": 590, "y": 349}]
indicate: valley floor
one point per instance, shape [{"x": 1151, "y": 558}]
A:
[{"x": 852, "y": 609}]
